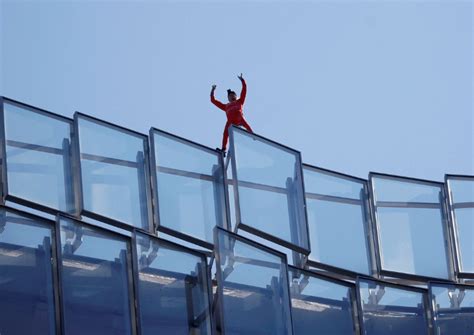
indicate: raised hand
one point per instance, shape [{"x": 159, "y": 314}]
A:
[
  {"x": 241, "y": 77},
  {"x": 213, "y": 88}
]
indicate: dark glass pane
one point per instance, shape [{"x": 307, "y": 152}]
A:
[
  {"x": 38, "y": 157},
  {"x": 270, "y": 188},
  {"x": 114, "y": 177},
  {"x": 453, "y": 309},
  {"x": 173, "y": 289},
  {"x": 95, "y": 281},
  {"x": 253, "y": 288},
  {"x": 320, "y": 306},
  {"x": 391, "y": 311},
  {"x": 190, "y": 187},
  {"x": 26, "y": 285},
  {"x": 336, "y": 212}
]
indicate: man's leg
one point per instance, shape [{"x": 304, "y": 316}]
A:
[
  {"x": 246, "y": 125},
  {"x": 225, "y": 136}
]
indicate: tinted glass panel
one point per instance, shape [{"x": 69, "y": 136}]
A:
[
  {"x": 336, "y": 212},
  {"x": 253, "y": 288},
  {"x": 190, "y": 187},
  {"x": 410, "y": 223},
  {"x": 26, "y": 286},
  {"x": 391, "y": 311},
  {"x": 38, "y": 157},
  {"x": 173, "y": 289},
  {"x": 95, "y": 281},
  {"x": 270, "y": 188},
  {"x": 114, "y": 178},
  {"x": 320, "y": 305},
  {"x": 453, "y": 309},
  {"x": 462, "y": 190}
]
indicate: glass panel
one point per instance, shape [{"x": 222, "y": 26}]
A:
[
  {"x": 270, "y": 188},
  {"x": 320, "y": 305},
  {"x": 453, "y": 309},
  {"x": 462, "y": 190},
  {"x": 114, "y": 178},
  {"x": 190, "y": 187},
  {"x": 465, "y": 235},
  {"x": 26, "y": 285},
  {"x": 391, "y": 311},
  {"x": 336, "y": 212},
  {"x": 38, "y": 157},
  {"x": 173, "y": 289},
  {"x": 253, "y": 286},
  {"x": 411, "y": 230},
  {"x": 95, "y": 281}
]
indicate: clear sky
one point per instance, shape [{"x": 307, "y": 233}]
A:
[{"x": 356, "y": 86}]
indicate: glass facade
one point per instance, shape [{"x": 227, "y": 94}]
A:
[
  {"x": 337, "y": 211},
  {"x": 391, "y": 310},
  {"x": 453, "y": 309},
  {"x": 411, "y": 226},
  {"x": 190, "y": 187},
  {"x": 114, "y": 238},
  {"x": 269, "y": 191}
]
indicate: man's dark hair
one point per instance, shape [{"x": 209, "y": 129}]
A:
[{"x": 229, "y": 91}]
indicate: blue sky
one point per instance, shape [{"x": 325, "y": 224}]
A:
[{"x": 383, "y": 86}]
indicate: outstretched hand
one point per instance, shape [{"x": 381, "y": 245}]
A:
[
  {"x": 241, "y": 77},
  {"x": 213, "y": 87}
]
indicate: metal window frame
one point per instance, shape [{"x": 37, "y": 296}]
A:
[
  {"x": 78, "y": 172},
  {"x": 255, "y": 231},
  {"x": 129, "y": 267},
  {"x": 181, "y": 248},
  {"x": 154, "y": 183},
  {"x": 368, "y": 225},
  {"x": 444, "y": 222},
  {"x": 422, "y": 291},
  {"x": 220, "y": 280},
  {"x": 451, "y": 207},
  {"x": 349, "y": 285},
  {"x": 56, "y": 283},
  {"x": 5, "y": 190}
]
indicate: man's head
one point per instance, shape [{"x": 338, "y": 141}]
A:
[{"x": 231, "y": 95}]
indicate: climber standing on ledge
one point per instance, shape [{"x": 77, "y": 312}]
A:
[{"x": 233, "y": 110}]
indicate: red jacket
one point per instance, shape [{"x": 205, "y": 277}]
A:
[{"x": 234, "y": 110}]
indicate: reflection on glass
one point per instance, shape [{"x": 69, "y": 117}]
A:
[
  {"x": 190, "y": 187},
  {"x": 410, "y": 223},
  {"x": 38, "y": 157},
  {"x": 320, "y": 305},
  {"x": 453, "y": 309},
  {"x": 173, "y": 289},
  {"x": 26, "y": 285},
  {"x": 336, "y": 213},
  {"x": 270, "y": 188},
  {"x": 253, "y": 288},
  {"x": 391, "y": 311},
  {"x": 114, "y": 178},
  {"x": 95, "y": 282}
]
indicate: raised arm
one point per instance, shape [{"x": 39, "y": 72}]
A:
[
  {"x": 216, "y": 102},
  {"x": 243, "y": 93}
]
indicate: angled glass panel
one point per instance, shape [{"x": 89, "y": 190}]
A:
[
  {"x": 252, "y": 288},
  {"x": 270, "y": 189},
  {"x": 320, "y": 306},
  {"x": 95, "y": 280},
  {"x": 391, "y": 310},
  {"x": 38, "y": 157},
  {"x": 461, "y": 190},
  {"x": 173, "y": 289},
  {"x": 453, "y": 309},
  {"x": 411, "y": 225},
  {"x": 26, "y": 284},
  {"x": 337, "y": 216},
  {"x": 190, "y": 187},
  {"x": 114, "y": 172}
]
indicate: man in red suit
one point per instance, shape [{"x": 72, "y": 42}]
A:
[{"x": 233, "y": 110}]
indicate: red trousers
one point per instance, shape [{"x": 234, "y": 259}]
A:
[{"x": 225, "y": 136}]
